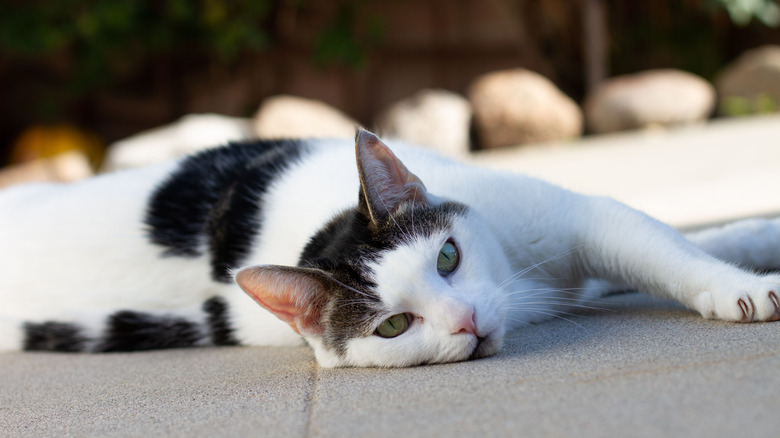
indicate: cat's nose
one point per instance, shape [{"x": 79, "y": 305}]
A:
[{"x": 465, "y": 324}]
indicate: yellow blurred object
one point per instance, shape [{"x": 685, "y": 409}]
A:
[{"x": 43, "y": 141}]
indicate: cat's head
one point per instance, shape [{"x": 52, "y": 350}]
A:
[{"x": 405, "y": 278}]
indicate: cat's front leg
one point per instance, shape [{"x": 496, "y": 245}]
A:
[{"x": 626, "y": 246}]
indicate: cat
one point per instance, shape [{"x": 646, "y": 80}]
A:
[{"x": 406, "y": 259}]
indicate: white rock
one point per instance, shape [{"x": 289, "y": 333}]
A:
[
  {"x": 295, "y": 117},
  {"x": 437, "y": 119},
  {"x": 189, "y": 134},
  {"x": 519, "y": 106},
  {"x": 65, "y": 167},
  {"x": 647, "y": 99}
]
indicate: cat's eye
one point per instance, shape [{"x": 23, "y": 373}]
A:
[
  {"x": 394, "y": 326},
  {"x": 448, "y": 259}
]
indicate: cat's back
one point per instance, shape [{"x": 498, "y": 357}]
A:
[{"x": 129, "y": 237}]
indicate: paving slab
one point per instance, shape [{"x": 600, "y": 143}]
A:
[
  {"x": 631, "y": 366},
  {"x": 197, "y": 392},
  {"x": 710, "y": 173}
]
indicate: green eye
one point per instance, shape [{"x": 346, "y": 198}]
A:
[
  {"x": 448, "y": 259},
  {"x": 393, "y": 326}
]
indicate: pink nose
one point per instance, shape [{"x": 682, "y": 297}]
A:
[{"x": 465, "y": 324}]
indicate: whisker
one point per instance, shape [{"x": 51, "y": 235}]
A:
[
  {"x": 371, "y": 297},
  {"x": 413, "y": 230},
  {"x": 542, "y": 291},
  {"x": 553, "y": 303},
  {"x": 536, "y": 265},
  {"x": 571, "y": 301},
  {"x": 519, "y": 321},
  {"x": 556, "y": 315},
  {"x": 346, "y": 303}
]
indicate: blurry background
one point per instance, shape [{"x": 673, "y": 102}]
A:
[{"x": 91, "y": 72}]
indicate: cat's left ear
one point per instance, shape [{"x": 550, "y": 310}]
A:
[
  {"x": 385, "y": 183},
  {"x": 294, "y": 295}
]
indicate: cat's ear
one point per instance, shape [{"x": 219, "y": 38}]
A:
[
  {"x": 385, "y": 183},
  {"x": 294, "y": 295}
]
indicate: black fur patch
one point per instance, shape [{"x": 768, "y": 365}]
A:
[
  {"x": 345, "y": 246},
  {"x": 136, "y": 331},
  {"x": 215, "y": 198},
  {"x": 219, "y": 326},
  {"x": 53, "y": 336}
]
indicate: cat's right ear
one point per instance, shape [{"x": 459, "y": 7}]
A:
[
  {"x": 385, "y": 182},
  {"x": 294, "y": 295}
]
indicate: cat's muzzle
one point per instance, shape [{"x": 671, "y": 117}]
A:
[{"x": 486, "y": 346}]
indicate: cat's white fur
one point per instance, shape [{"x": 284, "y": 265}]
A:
[{"x": 528, "y": 250}]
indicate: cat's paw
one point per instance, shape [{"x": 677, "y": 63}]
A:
[{"x": 758, "y": 300}]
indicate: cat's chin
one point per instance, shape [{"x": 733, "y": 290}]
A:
[
  {"x": 484, "y": 347},
  {"x": 488, "y": 345}
]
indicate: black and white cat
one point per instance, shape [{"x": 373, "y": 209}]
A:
[{"x": 372, "y": 264}]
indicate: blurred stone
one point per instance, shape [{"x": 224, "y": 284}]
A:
[
  {"x": 751, "y": 84},
  {"x": 649, "y": 99},
  {"x": 519, "y": 106},
  {"x": 437, "y": 119},
  {"x": 189, "y": 134},
  {"x": 44, "y": 141},
  {"x": 295, "y": 117},
  {"x": 63, "y": 167}
]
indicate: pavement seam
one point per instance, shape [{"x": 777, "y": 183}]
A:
[{"x": 311, "y": 397}]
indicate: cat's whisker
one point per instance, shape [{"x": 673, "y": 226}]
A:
[
  {"x": 347, "y": 304},
  {"x": 557, "y": 299},
  {"x": 549, "y": 314},
  {"x": 569, "y": 305},
  {"x": 412, "y": 221},
  {"x": 547, "y": 306},
  {"x": 554, "y": 315},
  {"x": 540, "y": 279},
  {"x": 573, "y": 305},
  {"x": 519, "y": 321},
  {"x": 576, "y": 302},
  {"x": 536, "y": 265},
  {"x": 542, "y": 291},
  {"x": 369, "y": 296}
]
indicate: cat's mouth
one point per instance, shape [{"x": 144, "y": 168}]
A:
[{"x": 486, "y": 346}]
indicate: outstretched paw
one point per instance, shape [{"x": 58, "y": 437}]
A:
[{"x": 759, "y": 302}]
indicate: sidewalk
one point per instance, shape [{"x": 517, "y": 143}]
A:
[
  {"x": 690, "y": 176},
  {"x": 632, "y": 366}
]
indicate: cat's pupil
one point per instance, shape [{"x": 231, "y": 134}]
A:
[
  {"x": 448, "y": 259},
  {"x": 393, "y": 326}
]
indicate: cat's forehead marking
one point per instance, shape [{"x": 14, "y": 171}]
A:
[{"x": 348, "y": 248}]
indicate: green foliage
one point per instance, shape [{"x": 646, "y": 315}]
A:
[
  {"x": 106, "y": 38},
  {"x": 742, "y": 12},
  {"x": 675, "y": 35},
  {"x": 680, "y": 34},
  {"x": 734, "y": 106},
  {"x": 344, "y": 42}
]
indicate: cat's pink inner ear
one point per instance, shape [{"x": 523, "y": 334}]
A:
[
  {"x": 385, "y": 180},
  {"x": 292, "y": 294}
]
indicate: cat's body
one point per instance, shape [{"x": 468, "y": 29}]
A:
[{"x": 422, "y": 267}]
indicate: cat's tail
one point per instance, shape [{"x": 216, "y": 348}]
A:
[{"x": 750, "y": 243}]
